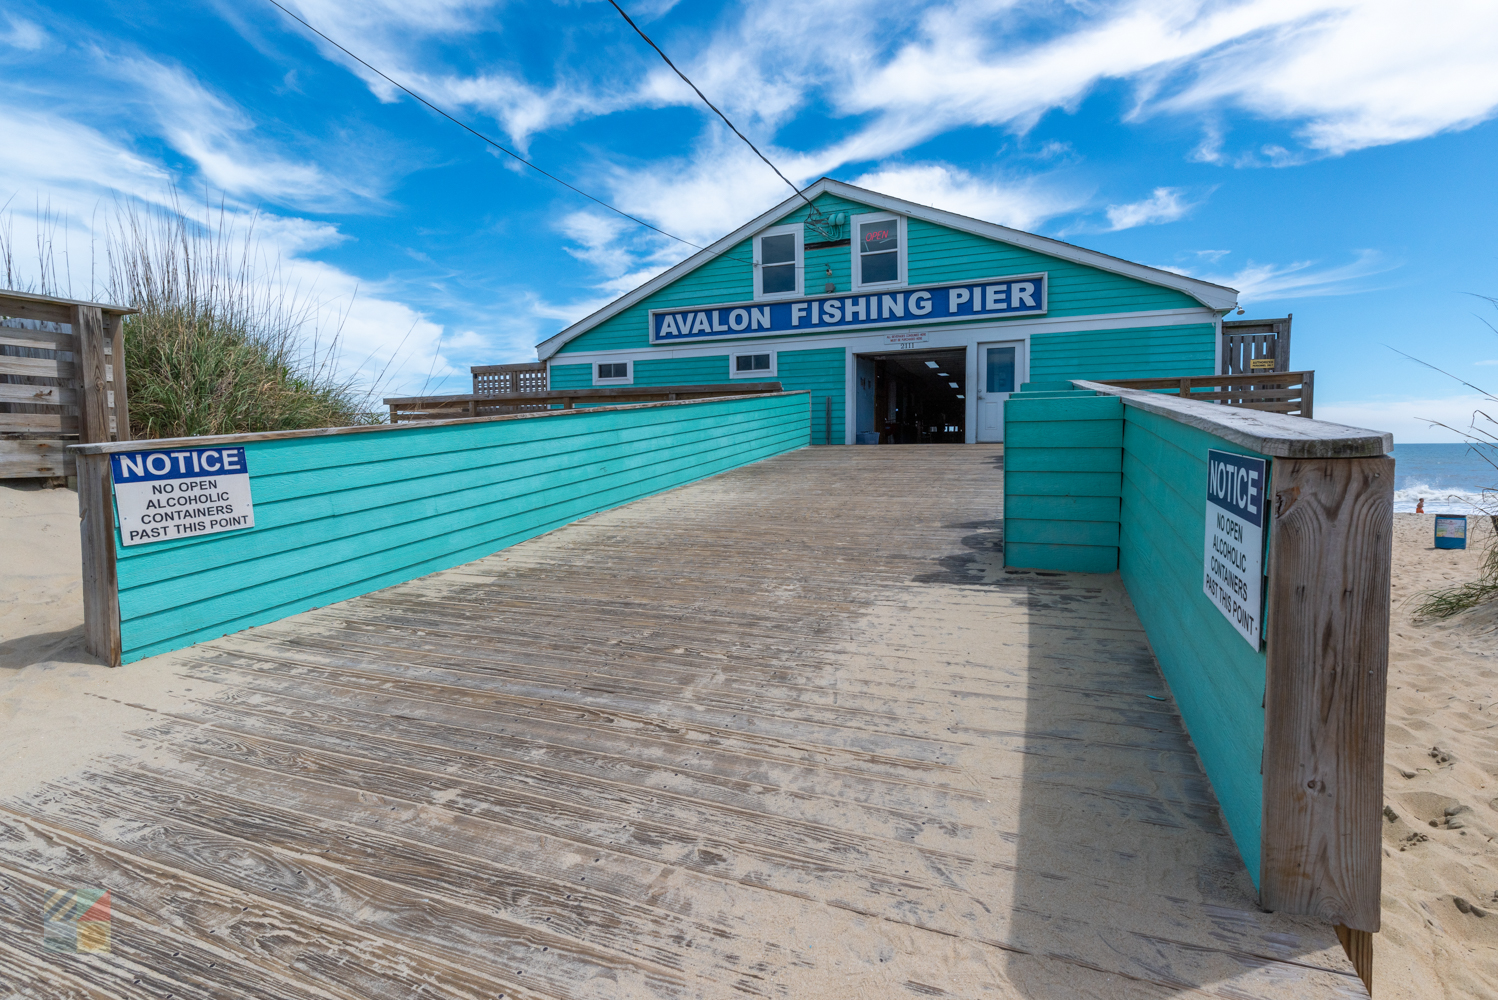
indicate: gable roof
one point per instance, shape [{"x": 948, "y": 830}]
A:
[{"x": 1217, "y": 297}]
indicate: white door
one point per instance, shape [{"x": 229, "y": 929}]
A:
[{"x": 1000, "y": 367}]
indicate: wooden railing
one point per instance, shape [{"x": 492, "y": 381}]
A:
[
  {"x": 1277, "y": 392},
  {"x": 407, "y": 409},
  {"x": 62, "y": 381}
]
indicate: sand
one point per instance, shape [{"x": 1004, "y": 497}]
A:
[
  {"x": 1440, "y": 782},
  {"x": 59, "y": 707},
  {"x": 1440, "y": 933}
]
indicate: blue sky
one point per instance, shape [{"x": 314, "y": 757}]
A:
[{"x": 1330, "y": 159}]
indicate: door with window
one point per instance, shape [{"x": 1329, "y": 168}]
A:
[{"x": 1001, "y": 366}]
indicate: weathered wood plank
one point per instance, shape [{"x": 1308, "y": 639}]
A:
[
  {"x": 1327, "y": 663},
  {"x": 37, "y": 367},
  {"x": 46, "y": 340},
  {"x": 114, "y": 329},
  {"x": 31, "y": 457},
  {"x": 34, "y": 423},
  {"x": 41, "y": 395}
]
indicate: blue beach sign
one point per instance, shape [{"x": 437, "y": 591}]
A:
[
  {"x": 1233, "y": 552},
  {"x": 989, "y": 298},
  {"x": 181, "y": 493}
]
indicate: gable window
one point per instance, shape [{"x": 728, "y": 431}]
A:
[
  {"x": 613, "y": 373},
  {"x": 759, "y": 366},
  {"x": 878, "y": 250},
  {"x": 777, "y": 262}
]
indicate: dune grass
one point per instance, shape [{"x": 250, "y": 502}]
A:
[{"x": 222, "y": 343}]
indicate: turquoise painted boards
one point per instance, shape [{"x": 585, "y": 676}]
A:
[
  {"x": 1062, "y": 460},
  {"x": 342, "y": 515}
]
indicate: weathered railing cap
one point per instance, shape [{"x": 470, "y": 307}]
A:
[{"x": 1278, "y": 435}]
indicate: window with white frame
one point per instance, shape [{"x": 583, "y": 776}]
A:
[
  {"x": 878, "y": 251},
  {"x": 777, "y": 262},
  {"x": 613, "y": 372},
  {"x": 757, "y": 365}
]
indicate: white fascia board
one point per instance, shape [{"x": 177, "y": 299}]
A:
[{"x": 1217, "y": 297}]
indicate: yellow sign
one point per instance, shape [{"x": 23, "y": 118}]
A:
[{"x": 1261, "y": 365}]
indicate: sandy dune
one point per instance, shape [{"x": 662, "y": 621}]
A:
[{"x": 1440, "y": 935}]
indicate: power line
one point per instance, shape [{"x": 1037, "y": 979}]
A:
[
  {"x": 710, "y": 104},
  {"x": 508, "y": 152}
]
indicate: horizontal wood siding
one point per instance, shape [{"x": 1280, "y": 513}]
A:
[
  {"x": 340, "y": 516},
  {"x": 941, "y": 254},
  {"x": 1216, "y": 678},
  {"x": 935, "y": 254},
  {"x": 823, "y": 373},
  {"x": 1144, "y": 352},
  {"x": 571, "y": 376},
  {"x": 1062, "y": 472}
]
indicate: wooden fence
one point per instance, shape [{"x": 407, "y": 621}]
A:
[
  {"x": 1250, "y": 345},
  {"x": 1290, "y": 729},
  {"x": 62, "y": 381},
  {"x": 412, "y": 408},
  {"x": 494, "y": 380},
  {"x": 1277, "y": 392}
]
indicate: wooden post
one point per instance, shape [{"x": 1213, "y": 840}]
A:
[
  {"x": 114, "y": 324},
  {"x": 101, "y": 597},
  {"x": 1326, "y": 670},
  {"x": 93, "y": 383},
  {"x": 1307, "y": 394}
]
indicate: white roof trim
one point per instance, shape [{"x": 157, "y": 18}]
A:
[{"x": 1216, "y": 297}]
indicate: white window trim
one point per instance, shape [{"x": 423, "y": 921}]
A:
[
  {"x": 902, "y": 235},
  {"x": 762, "y": 374},
  {"x": 796, "y": 230},
  {"x": 628, "y": 379}
]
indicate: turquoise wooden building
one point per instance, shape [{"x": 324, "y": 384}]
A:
[{"x": 906, "y": 323}]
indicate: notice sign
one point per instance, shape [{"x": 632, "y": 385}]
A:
[
  {"x": 181, "y": 493},
  {"x": 1233, "y": 560}
]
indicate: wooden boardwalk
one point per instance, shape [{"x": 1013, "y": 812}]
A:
[{"x": 788, "y": 732}]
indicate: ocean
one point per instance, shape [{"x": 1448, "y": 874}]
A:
[{"x": 1451, "y": 478}]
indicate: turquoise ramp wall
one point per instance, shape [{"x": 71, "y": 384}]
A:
[
  {"x": 1217, "y": 678},
  {"x": 341, "y": 515},
  {"x": 1063, "y": 455}
]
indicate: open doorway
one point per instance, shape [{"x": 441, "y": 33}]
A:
[{"x": 912, "y": 397}]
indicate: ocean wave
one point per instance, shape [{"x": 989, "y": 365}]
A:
[{"x": 1444, "y": 500}]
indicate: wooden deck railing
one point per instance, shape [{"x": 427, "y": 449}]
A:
[
  {"x": 62, "y": 381},
  {"x": 1277, "y": 392},
  {"x": 407, "y": 409}
]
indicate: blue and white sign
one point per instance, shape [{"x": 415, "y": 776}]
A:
[
  {"x": 1233, "y": 560},
  {"x": 991, "y": 298},
  {"x": 181, "y": 493}
]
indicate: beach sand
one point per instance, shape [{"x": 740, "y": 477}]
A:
[
  {"x": 1440, "y": 781},
  {"x": 57, "y": 710}
]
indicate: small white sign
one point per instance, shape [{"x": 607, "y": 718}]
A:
[
  {"x": 160, "y": 495},
  {"x": 906, "y": 339},
  {"x": 1233, "y": 559}
]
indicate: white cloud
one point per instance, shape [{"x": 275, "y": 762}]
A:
[
  {"x": 22, "y": 34},
  {"x": 1166, "y": 204},
  {"x": 1412, "y": 421},
  {"x": 1020, "y": 204},
  {"x": 1298, "y": 280}
]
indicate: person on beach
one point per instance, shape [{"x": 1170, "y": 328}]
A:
[{"x": 1420, "y": 506}]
